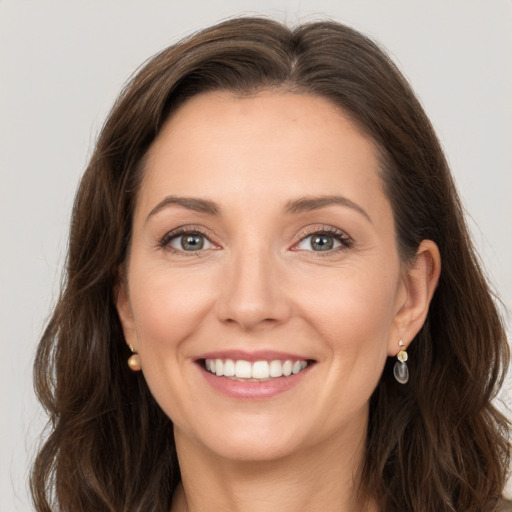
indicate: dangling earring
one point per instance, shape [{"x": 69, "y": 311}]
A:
[
  {"x": 134, "y": 361},
  {"x": 400, "y": 371}
]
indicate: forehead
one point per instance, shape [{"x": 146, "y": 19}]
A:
[{"x": 270, "y": 145}]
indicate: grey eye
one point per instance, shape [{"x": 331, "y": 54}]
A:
[
  {"x": 190, "y": 242},
  {"x": 319, "y": 242},
  {"x": 322, "y": 242}
]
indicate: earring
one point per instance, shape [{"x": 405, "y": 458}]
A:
[
  {"x": 134, "y": 361},
  {"x": 400, "y": 371}
]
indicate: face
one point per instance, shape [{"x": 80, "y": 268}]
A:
[{"x": 263, "y": 247}]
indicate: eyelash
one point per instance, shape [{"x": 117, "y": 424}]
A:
[{"x": 345, "y": 240}]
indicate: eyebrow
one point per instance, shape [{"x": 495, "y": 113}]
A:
[
  {"x": 190, "y": 203},
  {"x": 300, "y": 205},
  {"x": 309, "y": 203}
]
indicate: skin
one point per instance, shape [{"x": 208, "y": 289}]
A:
[{"x": 258, "y": 284}]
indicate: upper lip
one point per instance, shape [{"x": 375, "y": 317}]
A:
[{"x": 260, "y": 355}]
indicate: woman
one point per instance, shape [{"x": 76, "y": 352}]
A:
[{"x": 255, "y": 315}]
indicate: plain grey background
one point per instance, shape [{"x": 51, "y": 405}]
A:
[{"x": 62, "y": 64}]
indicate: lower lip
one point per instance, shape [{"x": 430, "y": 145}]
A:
[{"x": 253, "y": 390}]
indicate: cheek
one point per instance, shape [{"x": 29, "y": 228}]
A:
[
  {"x": 355, "y": 321},
  {"x": 167, "y": 308},
  {"x": 168, "y": 311},
  {"x": 356, "y": 308}
]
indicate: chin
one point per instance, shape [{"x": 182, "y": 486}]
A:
[
  {"x": 256, "y": 451},
  {"x": 252, "y": 443}
]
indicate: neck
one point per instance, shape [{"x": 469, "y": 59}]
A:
[{"x": 322, "y": 477}]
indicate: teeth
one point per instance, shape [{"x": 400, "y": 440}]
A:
[
  {"x": 229, "y": 368},
  {"x": 243, "y": 370},
  {"x": 276, "y": 368},
  {"x": 260, "y": 370}
]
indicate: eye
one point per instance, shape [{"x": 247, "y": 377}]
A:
[
  {"x": 324, "y": 240},
  {"x": 190, "y": 241},
  {"x": 319, "y": 242}
]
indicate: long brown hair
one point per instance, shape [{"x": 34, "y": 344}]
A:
[{"x": 437, "y": 443}]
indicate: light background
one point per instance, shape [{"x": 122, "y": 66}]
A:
[{"x": 62, "y": 63}]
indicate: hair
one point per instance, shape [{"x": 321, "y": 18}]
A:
[{"x": 436, "y": 444}]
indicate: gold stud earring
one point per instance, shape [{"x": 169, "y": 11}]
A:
[
  {"x": 134, "y": 360},
  {"x": 400, "y": 370}
]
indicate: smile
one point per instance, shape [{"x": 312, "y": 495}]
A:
[{"x": 257, "y": 371}]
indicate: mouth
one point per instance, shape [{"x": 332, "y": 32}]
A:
[
  {"x": 257, "y": 375},
  {"x": 254, "y": 371}
]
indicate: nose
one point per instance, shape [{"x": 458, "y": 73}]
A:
[{"x": 253, "y": 292}]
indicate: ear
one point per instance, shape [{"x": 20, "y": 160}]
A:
[
  {"x": 420, "y": 279},
  {"x": 124, "y": 309}
]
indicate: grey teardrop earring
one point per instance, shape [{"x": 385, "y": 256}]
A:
[{"x": 400, "y": 370}]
